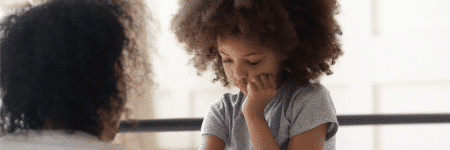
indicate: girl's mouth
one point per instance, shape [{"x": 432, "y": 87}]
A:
[{"x": 242, "y": 87}]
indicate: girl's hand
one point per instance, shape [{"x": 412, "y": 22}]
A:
[{"x": 261, "y": 90}]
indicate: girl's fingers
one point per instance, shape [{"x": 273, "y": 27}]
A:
[
  {"x": 257, "y": 82},
  {"x": 264, "y": 81},
  {"x": 272, "y": 82},
  {"x": 252, "y": 86}
]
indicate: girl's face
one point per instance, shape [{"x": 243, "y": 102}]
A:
[{"x": 243, "y": 60}]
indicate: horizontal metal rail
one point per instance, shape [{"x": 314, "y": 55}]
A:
[{"x": 194, "y": 124}]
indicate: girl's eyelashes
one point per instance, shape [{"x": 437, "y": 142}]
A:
[
  {"x": 248, "y": 62},
  {"x": 254, "y": 63},
  {"x": 226, "y": 60}
]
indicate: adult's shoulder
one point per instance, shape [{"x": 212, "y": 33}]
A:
[
  {"x": 11, "y": 142},
  {"x": 56, "y": 139}
]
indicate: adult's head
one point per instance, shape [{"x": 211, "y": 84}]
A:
[{"x": 68, "y": 64}]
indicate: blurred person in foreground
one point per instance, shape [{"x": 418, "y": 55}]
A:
[{"x": 67, "y": 68}]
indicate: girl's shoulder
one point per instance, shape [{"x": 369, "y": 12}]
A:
[
  {"x": 313, "y": 88},
  {"x": 230, "y": 101},
  {"x": 295, "y": 90},
  {"x": 314, "y": 92}
]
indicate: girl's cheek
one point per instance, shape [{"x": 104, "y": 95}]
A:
[
  {"x": 254, "y": 73},
  {"x": 227, "y": 72},
  {"x": 229, "y": 75},
  {"x": 269, "y": 69}
]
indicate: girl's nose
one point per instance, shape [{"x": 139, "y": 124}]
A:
[{"x": 240, "y": 72}]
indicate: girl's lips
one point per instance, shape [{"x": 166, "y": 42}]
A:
[{"x": 242, "y": 87}]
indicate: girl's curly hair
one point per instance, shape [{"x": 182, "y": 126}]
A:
[
  {"x": 304, "y": 30},
  {"x": 70, "y": 61}
]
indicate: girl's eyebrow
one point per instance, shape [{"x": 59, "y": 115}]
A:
[
  {"x": 222, "y": 53},
  {"x": 254, "y": 53}
]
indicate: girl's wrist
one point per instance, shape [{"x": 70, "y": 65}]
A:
[
  {"x": 254, "y": 118},
  {"x": 251, "y": 114},
  {"x": 253, "y": 107}
]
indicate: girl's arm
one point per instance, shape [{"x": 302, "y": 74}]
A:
[
  {"x": 260, "y": 133},
  {"x": 310, "y": 140},
  {"x": 261, "y": 92},
  {"x": 262, "y": 137},
  {"x": 212, "y": 142}
]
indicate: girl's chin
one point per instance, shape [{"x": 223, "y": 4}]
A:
[{"x": 244, "y": 91}]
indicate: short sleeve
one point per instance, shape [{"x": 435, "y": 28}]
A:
[
  {"x": 311, "y": 107},
  {"x": 215, "y": 122}
]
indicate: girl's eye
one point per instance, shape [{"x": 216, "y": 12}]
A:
[
  {"x": 226, "y": 61},
  {"x": 254, "y": 63}
]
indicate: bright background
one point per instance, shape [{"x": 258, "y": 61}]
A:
[{"x": 396, "y": 60}]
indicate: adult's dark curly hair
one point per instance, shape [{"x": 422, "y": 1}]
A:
[
  {"x": 304, "y": 30},
  {"x": 72, "y": 62}
]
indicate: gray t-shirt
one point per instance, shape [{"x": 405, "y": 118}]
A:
[{"x": 294, "y": 110}]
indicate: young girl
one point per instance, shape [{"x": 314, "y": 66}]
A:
[{"x": 274, "y": 51}]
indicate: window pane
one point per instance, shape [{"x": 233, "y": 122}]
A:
[
  {"x": 421, "y": 136},
  {"x": 355, "y": 138},
  {"x": 420, "y": 97}
]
